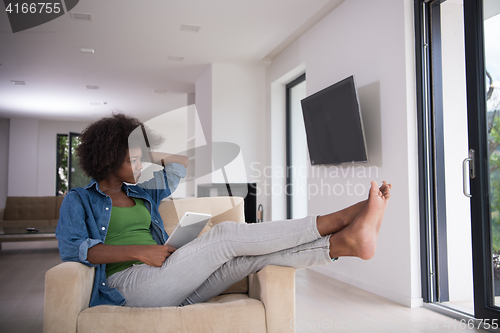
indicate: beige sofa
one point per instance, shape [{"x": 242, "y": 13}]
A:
[
  {"x": 30, "y": 212},
  {"x": 41, "y": 213},
  {"x": 262, "y": 302}
]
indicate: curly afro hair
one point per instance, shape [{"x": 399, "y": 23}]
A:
[{"x": 105, "y": 143}]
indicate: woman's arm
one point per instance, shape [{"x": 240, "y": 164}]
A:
[
  {"x": 152, "y": 255},
  {"x": 169, "y": 158}
]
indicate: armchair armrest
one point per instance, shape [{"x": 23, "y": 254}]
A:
[
  {"x": 275, "y": 287},
  {"x": 67, "y": 292}
]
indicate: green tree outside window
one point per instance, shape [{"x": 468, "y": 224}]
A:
[{"x": 69, "y": 173}]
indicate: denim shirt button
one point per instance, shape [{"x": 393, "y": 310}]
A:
[
  {"x": 107, "y": 208},
  {"x": 103, "y": 284},
  {"x": 103, "y": 228}
]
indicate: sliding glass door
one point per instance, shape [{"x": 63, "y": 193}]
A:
[
  {"x": 491, "y": 18},
  {"x": 458, "y": 70},
  {"x": 483, "y": 75},
  {"x": 446, "y": 225}
]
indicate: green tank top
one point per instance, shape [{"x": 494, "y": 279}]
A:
[{"x": 128, "y": 226}]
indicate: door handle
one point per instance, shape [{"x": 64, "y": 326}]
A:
[{"x": 468, "y": 162}]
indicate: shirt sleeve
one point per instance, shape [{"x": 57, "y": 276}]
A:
[
  {"x": 164, "y": 182},
  {"x": 72, "y": 231},
  {"x": 84, "y": 248},
  {"x": 174, "y": 173}
]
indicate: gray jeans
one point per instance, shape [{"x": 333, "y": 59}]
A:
[{"x": 221, "y": 257}]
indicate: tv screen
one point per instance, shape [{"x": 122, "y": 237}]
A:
[{"x": 334, "y": 128}]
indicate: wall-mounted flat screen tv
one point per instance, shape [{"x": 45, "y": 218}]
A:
[{"x": 334, "y": 127}]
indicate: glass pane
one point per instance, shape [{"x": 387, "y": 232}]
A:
[
  {"x": 78, "y": 177},
  {"x": 492, "y": 64},
  {"x": 62, "y": 164}
]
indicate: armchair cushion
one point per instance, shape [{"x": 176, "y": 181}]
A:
[{"x": 227, "y": 313}]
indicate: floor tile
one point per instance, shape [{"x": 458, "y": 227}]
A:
[
  {"x": 37, "y": 326},
  {"x": 17, "y": 325}
]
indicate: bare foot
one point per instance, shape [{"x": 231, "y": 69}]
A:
[
  {"x": 334, "y": 222},
  {"x": 359, "y": 239}
]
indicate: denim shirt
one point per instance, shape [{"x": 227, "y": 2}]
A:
[{"x": 84, "y": 219}]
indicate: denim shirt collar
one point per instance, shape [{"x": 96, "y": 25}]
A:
[{"x": 128, "y": 189}]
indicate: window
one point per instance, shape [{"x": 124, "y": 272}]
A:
[
  {"x": 62, "y": 164},
  {"x": 296, "y": 150},
  {"x": 68, "y": 172}
]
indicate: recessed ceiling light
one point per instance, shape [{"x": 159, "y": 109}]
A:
[
  {"x": 86, "y": 50},
  {"x": 18, "y": 83},
  {"x": 190, "y": 28},
  {"x": 175, "y": 58},
  {"x": 93, "y": 87},
  {"x": 81, "y": 16},
  {"x": 160, "y": 91}
]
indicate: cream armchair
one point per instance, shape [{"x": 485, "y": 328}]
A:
[{"x": 262, "y": 302}]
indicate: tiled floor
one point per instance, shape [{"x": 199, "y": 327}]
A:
[
  {"x": 22, "y": 277},
  {"x": 326, "y": 305},
  {"x": 323, "y": 304}
]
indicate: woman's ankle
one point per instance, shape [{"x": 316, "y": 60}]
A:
[{"x": 331, "y": 223}]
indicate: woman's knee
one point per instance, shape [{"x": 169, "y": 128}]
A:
[{"x": 223, "y": 229}]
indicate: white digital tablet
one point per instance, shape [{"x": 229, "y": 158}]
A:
[{"x": 189, "y": 227}]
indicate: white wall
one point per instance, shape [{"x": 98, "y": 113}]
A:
[
  {"x": 32, "y": 155},
  {"x": 23, "y": 157},
  {"x": 230, "y": 100},
  {"x": 374, "y": 41},
  {"x": 4, "y": 159},
  {"x": 238, "y": 109},
  {"x": 203, "y": 100}
]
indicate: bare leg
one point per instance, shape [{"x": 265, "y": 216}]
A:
[
  {"x": 359, "y": 238},
  {"x": 334, "y": 222}
]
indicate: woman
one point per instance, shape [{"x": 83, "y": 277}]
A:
[{"x": 116, "y": 228}]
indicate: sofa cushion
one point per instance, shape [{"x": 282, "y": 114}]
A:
[
  {"x": 30, "y": 208},
  {"x": 226, "y": 313},
  {"x": 25, "y": 223}
]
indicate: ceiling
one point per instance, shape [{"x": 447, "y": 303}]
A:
[{"x": 132, "y": 42}]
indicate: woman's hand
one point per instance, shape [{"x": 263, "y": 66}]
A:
[{"x": 154, "y": 255}]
